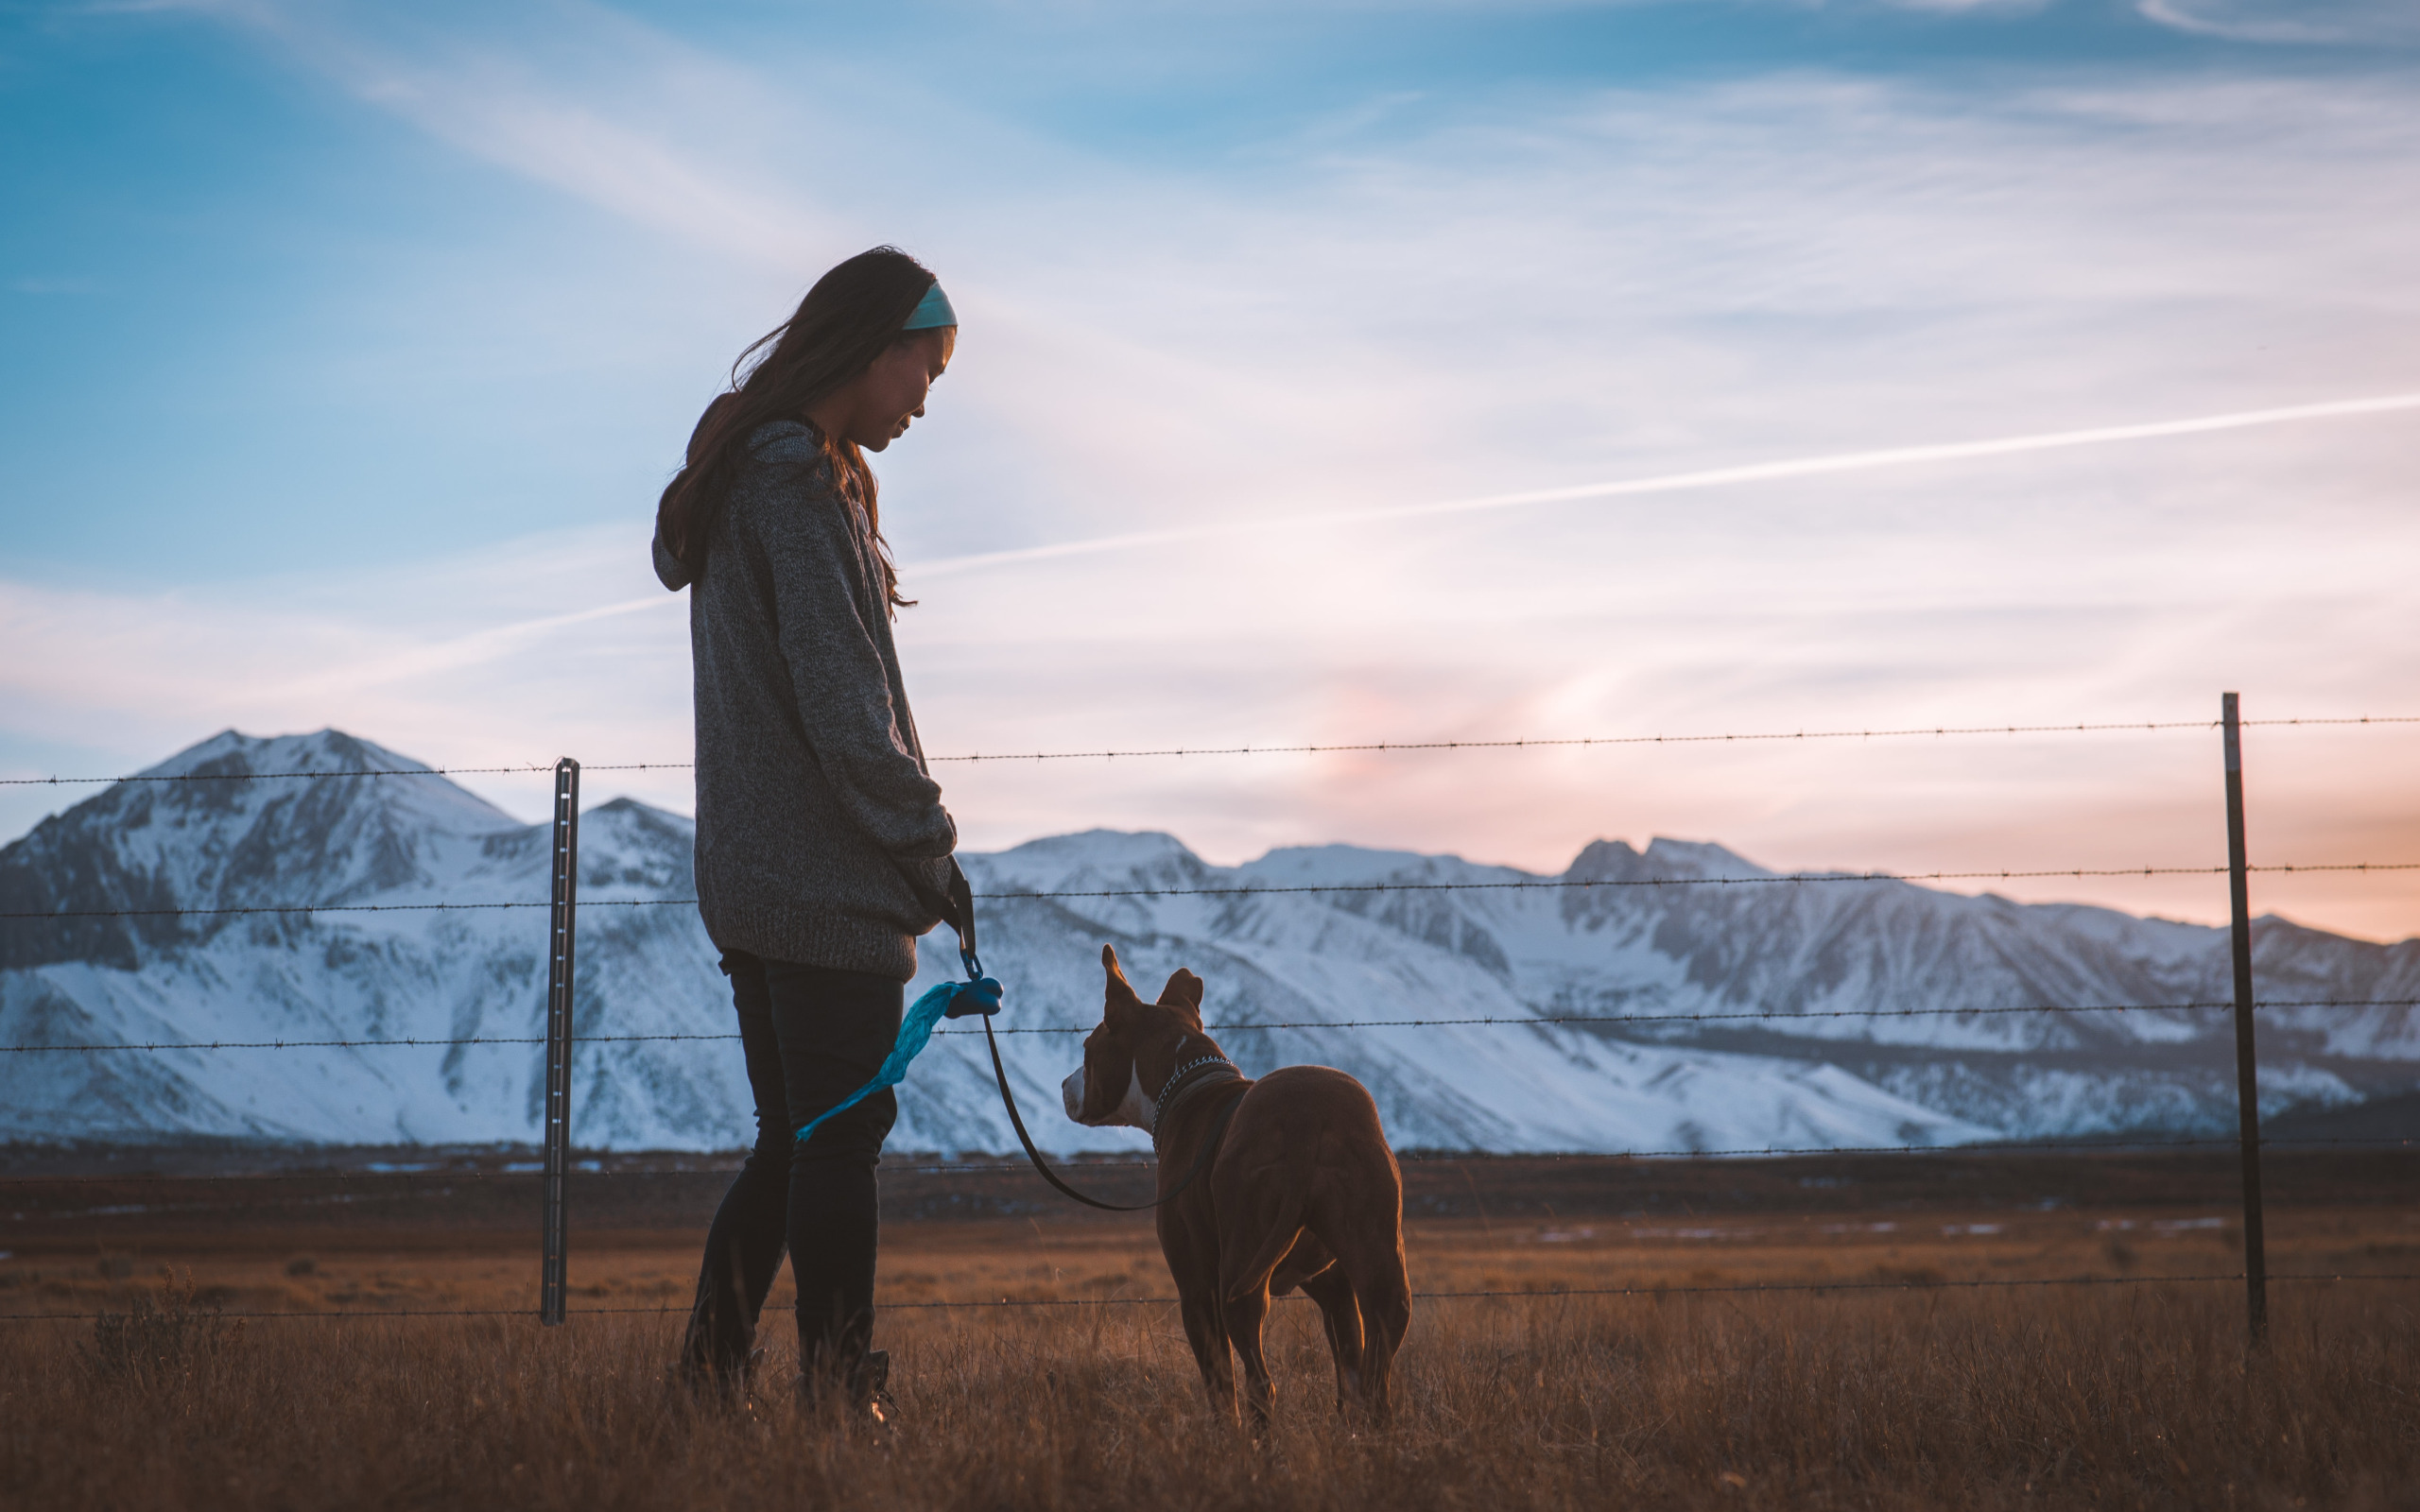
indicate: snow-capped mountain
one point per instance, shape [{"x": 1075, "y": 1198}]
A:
[{"x": 1286, "y": 972}]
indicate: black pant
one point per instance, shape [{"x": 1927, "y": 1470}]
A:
[{"x": 813, "y": 1035}]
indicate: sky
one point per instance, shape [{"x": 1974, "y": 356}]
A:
[{"x": 1329, "y": 373}]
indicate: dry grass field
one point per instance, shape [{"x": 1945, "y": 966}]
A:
[{"x": 2129, "y": 1394}]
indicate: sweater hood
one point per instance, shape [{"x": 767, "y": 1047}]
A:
[
  {"x": 669, "y": 569},
  {"x": 779, "y": 440}
]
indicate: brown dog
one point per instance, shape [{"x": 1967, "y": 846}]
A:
[{"x": 1301, "y": 1189}]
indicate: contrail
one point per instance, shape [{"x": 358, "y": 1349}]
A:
[
  {"x": 1680, "y": 482},
  {"x": 463, "y": 650}
]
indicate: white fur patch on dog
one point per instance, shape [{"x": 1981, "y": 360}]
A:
[{"x": 1134, "y": 1110}]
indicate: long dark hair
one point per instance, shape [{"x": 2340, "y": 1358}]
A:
[{"x": 850, "y": 317}]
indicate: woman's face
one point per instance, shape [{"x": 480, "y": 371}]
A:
[{"x": 880, "y": 403}]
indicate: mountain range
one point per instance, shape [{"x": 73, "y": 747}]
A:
[{"x": 1788, "y": 1014}]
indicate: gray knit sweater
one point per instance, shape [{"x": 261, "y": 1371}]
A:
[{"x": 812, "y": 791}]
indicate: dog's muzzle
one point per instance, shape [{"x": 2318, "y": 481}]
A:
[{"x": 1133, "y": 1111}]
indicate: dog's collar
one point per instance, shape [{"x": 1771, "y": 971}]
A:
[{"x": 1201, "y": 1071}]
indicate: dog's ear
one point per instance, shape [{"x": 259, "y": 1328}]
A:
[
  {"x": 1120, "y": 996},
  {"x": 1183, "y": 990}
]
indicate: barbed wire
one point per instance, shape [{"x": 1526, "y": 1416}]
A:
[
  {"x": 1011, "y": 1166},
  {"x": 1293, "y": 1025},
  {"x": 1543, "y": 883},
  {"x": 332, "y": 772},
  {"x": 1655, "y": 740},
  {"x": 1795, "y": 877},
  {"x": 1978, "y": 1147},
  {"x": 2115, "y": 1144},
  {"x": 333, "y": 908},
  {"x": 1648, "y": 1290},
  {"x": 1937, "y": 731},
  {"x": 1224, "y": 1028},
  {"x": 263, "y": 908}
]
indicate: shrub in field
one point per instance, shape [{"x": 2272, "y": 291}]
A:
[{"x": 155, "y": 1341}]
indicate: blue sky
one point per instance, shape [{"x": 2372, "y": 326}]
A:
[{"x": 349, "y": 345}]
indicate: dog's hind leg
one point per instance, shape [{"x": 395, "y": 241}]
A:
[
  {"x": 1206, "y": 1333},
  {"x": 1264, "y": 1230},
  {"x": 1342, "y": 1315},
  {"x": 1382, "y": 1288},
  {"x": 1362, "y": 1223},
  {"x": 1244, "y": 1315}
]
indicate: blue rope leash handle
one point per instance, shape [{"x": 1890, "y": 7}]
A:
[
  {"x": 951, "y": 1000},
  {"x": 978, "y": 995}
]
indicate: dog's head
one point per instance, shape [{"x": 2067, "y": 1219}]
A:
[{"x": 1133, "y": 1047}]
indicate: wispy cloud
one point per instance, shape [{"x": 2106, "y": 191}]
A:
[
  {"x": 2292, "y": 22},
  {"x": 1986, "y": 8},
  {"x": 613, "y": 112},
  {"x": 116, "y": 680},
  {"x": 1793, "y": 468}
]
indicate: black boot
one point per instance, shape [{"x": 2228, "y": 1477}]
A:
[
  {"x": 707, "y": 1382},
  {"x": 860, "y": 1389},
  {"x": 870, "y": 1387}
]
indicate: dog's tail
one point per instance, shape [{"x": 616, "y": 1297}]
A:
[{"x": 1283, "y": 1221}]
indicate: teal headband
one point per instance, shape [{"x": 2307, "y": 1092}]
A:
[{"x": 931, "y": 311}]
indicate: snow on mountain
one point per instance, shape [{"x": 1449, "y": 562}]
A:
[{"x": 1287, "y": 970}]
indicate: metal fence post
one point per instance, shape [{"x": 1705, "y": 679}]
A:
[
  {"x": 2247, "y": 1075},
  {"x": 562, "y": 935}
]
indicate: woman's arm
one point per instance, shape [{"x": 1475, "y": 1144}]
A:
[{"x": 843, "y": 686}]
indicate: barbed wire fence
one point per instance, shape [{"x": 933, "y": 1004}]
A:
[
  {"x": 1275, "y": 749},
  {"x": 554, "y": 1170}
]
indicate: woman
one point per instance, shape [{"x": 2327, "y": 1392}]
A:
[{"x": 823, "y": 850}]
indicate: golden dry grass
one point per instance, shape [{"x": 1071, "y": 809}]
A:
[{"x": 2135, "y": 1395}]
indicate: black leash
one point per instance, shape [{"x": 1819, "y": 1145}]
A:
[
  {"x": 959, "y": 912},
  {"x": 1201, "y": 1161}
]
